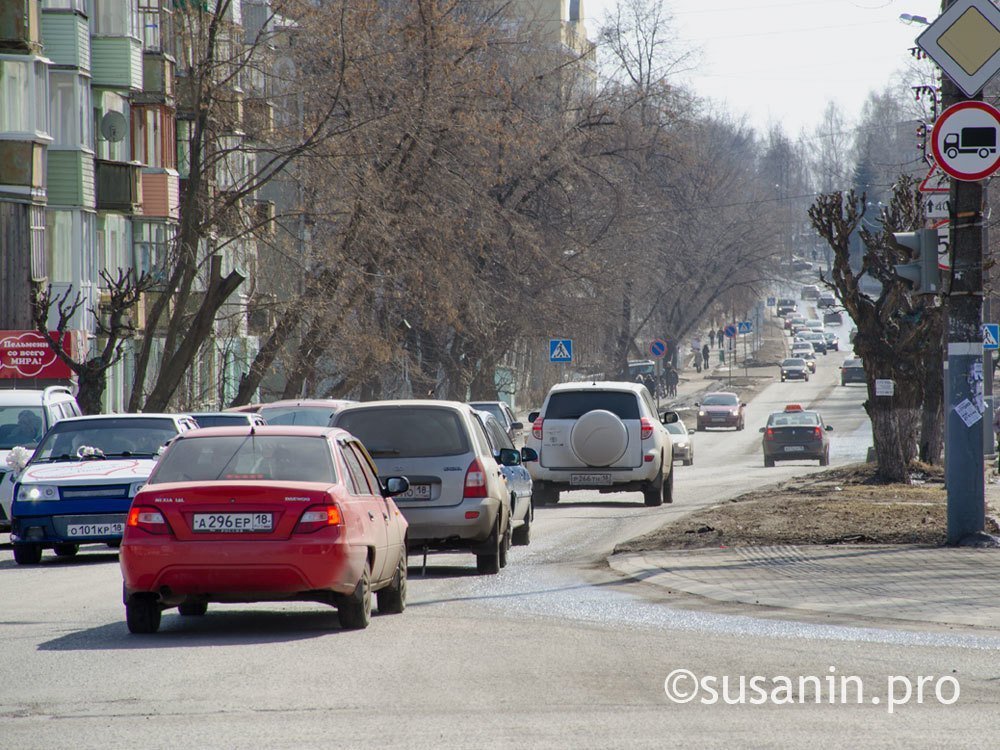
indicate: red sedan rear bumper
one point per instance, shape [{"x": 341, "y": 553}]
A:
[{"x": 239, "y": 570}]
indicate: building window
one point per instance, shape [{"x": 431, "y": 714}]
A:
[
  {"x": 156, "y": 25},
  {"x": 153, "y": 138},
  {"x": 23, "y": 96},
  {"x": 121, "y": 150},
  {"x": 70, "y": 109},
  {"x": 80, "y": 6},
  {"x": 184, "y": 128},
  {"x": 150, "y": 243},
  {"x": 115, "y": 18},
  {"x": 39, "y": 261}
]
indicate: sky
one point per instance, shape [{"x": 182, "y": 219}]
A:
[{"x": 782, "y": 61}]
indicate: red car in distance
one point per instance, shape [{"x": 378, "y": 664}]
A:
[{"x": 239, "y": 514}]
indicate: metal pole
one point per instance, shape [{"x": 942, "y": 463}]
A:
[{"x": 963, "y": 309}]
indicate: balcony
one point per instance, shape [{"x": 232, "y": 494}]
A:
[
  {"x": 157, "y": 79},
  {"x": 119, "y": 187},
  {"x": 20, "y": 27},
  {"x": 22, "y": 163}
]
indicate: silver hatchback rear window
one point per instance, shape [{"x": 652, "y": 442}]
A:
[{"x": 406, "y": 431}]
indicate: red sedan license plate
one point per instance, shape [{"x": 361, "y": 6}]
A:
[{"x": 235, "y": 523}]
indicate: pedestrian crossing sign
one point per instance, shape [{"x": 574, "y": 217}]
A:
[
  {"x": 744, "y": 326},
  {"x": 560, "y": 350},
  {"x": 991, "y": 336}
]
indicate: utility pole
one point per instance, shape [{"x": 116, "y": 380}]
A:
[{"x": 963, "y": 307}]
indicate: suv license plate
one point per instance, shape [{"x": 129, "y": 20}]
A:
[
  {"x": 793, "y": 448},
  {"x": 600, "y": 479}
]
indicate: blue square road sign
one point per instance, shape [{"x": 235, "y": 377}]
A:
[{"x": 560, "y": 350}]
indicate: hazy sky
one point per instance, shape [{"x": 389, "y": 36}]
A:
[{"x": 783, "y": 60}]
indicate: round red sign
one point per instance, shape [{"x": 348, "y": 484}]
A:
[{"x": 964, "y": 140}]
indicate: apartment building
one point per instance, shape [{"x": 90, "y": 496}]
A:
[{"x": 94, "y": 144}]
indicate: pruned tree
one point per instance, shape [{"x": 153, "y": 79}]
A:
[
  {"x": 898, "y": 335},
  {"x": 114, "y": 326}
]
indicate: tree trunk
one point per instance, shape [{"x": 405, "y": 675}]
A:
[
  {"x": 892, "y": 464},
  {"x": 91, "y": 382}
]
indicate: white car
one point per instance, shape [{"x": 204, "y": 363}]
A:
[
  {"x": 601, "y": 436},
  {"x": 79, "y": 484},
  {"x": 683, "y": 442},
  {"x": 26, "y": 415}
]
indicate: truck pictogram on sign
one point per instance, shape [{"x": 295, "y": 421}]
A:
[{"x": 980, "y": 141}]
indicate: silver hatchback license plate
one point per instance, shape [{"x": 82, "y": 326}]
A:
[
  {"x": 235, "y": 523},
  {"x": 590, "y": 479},
  {"x": 416, "y": 492}
]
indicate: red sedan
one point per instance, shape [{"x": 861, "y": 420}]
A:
[{"x": 236, "y": 514}]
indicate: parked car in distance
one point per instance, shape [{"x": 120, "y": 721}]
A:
[
  {"x": 312, "y": 412},
  {"x": 721, "y": 409},
  {"x": 794, "y": 368},
  {"x": 810, "y": 291},
  {"x": 801, "y": 264},
  {"x": 234, "y": 514},
  {"x": 683, "y": 441},
  {"x": 522, "y": 512},
  {"x": 79, "y": 484},
  {"x": 602, "y": 436},
  {"x": 227, "y": 418},
  {"x": 457, "y": 498},
  {"x": 826, "y": 299},
  {"x": 504, "y": 415},
  {"x": 832, "y": 340},
  {"x": 796, "y": 435},
  {"x": 25, "y": 415},
  {"x": 852, "y": 371}
]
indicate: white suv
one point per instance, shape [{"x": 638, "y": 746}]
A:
[
  {"x": 26, "y": 415},
  {"x": 601, "y": 436}
]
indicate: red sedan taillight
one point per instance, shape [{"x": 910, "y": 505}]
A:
[
  {"x": 148, "y": 519},
  {"x": 646, "y": 428},
  {"x": 475, "y": 480},
  {"x": 319, "y": 517},
  {"x": 536, "y": 429}
]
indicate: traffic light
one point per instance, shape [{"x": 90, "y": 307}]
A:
[{"x": 922, "y": 273}]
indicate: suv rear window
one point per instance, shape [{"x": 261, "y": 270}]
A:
[
  {"x": 574, "y": 404},
  {"x": 406, "y": 432}
]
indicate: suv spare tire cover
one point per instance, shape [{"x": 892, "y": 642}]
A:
[{"x": 599, "y": 438}]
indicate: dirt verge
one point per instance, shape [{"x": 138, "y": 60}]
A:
[{"x": 847, "y": 505}]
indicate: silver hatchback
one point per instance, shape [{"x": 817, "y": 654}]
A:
[{"x": 458, "y": 499}]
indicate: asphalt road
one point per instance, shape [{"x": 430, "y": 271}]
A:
[{"x": 556, "y": 651}]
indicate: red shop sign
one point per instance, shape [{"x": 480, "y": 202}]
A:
[{"x": 26, "y": 354}]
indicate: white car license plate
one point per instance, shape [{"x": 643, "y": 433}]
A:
[
  {"x": 793, "y": 448},
  {"x": 417, "y": 492},
  {"x": 232, "y": 522},
  {"x": 95, "y": 529},
  {"x": 599, "y": 479}
]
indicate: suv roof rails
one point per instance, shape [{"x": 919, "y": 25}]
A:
[{"x": 50, "y": 390}]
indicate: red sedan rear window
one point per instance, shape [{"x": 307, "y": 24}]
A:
[{"x": 279, "y": 458}]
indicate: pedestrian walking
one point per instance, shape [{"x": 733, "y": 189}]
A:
[
  {"x": 670, "y": 380},
  {"x": 720, "y": 336},
  {"x": 704, "y": 355}
]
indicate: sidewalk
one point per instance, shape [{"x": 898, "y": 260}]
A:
[{"x": 949, "y": 586}]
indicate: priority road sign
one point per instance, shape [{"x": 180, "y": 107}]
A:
[
  {"x": 744, "y": 326},
  {"x": 991, "y": 336},
  {"x": 560, "y": 350}
]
